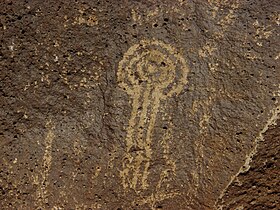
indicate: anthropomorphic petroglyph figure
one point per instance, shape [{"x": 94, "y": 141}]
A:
[{"x": 149, "y": 72}]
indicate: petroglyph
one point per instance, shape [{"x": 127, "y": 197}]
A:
[
  {"x": 47, "y": 161},
  {"x": 149, "y": 72},
  {"x": 170, "y": 164},
  {"x": 156, "y": 197}
]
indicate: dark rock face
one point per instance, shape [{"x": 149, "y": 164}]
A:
[
  {"x": 258, "y": 188},
  {"x": 139, "y": 104}
]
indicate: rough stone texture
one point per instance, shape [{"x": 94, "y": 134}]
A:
[
  {"x": 67, "y": 126},
  {"x": 258, "y": 188}
]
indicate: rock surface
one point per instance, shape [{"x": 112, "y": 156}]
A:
[
  {"x": 258, "y": 188},
  {"x": 139, "y": 104}
]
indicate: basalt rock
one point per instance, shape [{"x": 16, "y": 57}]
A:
[
  {"x": 139, "y": 104},
  {"x": 258, "y": 187}
]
